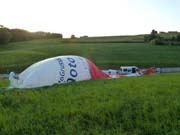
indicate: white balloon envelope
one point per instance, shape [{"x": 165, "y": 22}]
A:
[{"x": 56, "y": 70}]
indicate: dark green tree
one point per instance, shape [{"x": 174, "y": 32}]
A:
[
  {"x": 178, "y": 37},
  {"x": 73, "y": 36},
  {"x": 153, "y": 35},
  {"x": 5, "y": 35}
]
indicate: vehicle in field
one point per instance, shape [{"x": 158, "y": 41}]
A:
[{"x": 128, "y": 70}]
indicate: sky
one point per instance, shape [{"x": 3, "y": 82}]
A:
[{"x": 91, "y": 17}]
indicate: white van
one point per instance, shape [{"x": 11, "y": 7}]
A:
[{"x": 128, "y": 69}]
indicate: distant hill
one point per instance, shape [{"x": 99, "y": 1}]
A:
[{"x": 109, "y": 39}]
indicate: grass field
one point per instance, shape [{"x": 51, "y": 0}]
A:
[
  {"x": 148, "y": 105},
  {"x": 17, "y": 56}
]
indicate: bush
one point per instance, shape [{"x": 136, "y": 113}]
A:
[
  {"x": 73, "y": 36},
  {"x": 156, "y": 41},
  {"x": 5, "y": 36},
  {"x": 153, "y": 35}
]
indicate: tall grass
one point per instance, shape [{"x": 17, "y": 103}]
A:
[{"x": 148, "y": 105}]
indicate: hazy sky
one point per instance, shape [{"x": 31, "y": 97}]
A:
[{"x": 91, "y": 17}]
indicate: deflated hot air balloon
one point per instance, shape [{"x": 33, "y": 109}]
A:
[
  {"x": 69, "y": 68},
  {"x": 56, "y": 70}
]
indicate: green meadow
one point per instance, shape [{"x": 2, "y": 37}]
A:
[
  {"x": 19, "y": 55},
  {"x": 148, "y": 105}
]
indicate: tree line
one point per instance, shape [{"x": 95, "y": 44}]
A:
[
  {"x": 13, "y": 35},
  {"x": 158, "y": 39}
]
